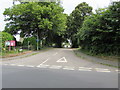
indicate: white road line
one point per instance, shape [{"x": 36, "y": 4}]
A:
[
  {"x": 29, "y": 66},
  {"x": 43, "y": 62},
  {"x": 13, "y": 64},
  {"x": 21, "y": 65},
  {"x": 103, "y": 71},
  {"x": 84, "y": 70},
  {"x": 63, "y": 59},
  {"x": 55, "y": 67},
  {"x": 68, "y": 68},
  {"x": 117, "y": 70},
  {"x": 43, "y": 66}
]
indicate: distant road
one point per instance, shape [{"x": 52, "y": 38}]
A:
[{"x": 57, "y": 68}]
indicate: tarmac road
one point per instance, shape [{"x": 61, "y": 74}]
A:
[{"x": 57, "y": 68}]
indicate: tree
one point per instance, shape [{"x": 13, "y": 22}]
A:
[
  {"x": 75, "y": 20},
  {"x": 100, "y": 33},
  {"x": 44, "y": 20}
]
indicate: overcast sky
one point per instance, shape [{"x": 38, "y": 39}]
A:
[{"x": 68, "y": 6}]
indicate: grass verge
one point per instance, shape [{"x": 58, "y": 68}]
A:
[
  {"x": 13, "y": 53},
  {"x": 83, "y": 54}
]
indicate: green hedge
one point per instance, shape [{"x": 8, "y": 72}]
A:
[
  {"x": 4, "y": 36},
  {"x": 100, "y": 32}
]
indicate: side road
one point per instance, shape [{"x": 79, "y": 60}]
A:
[{"x": 95, "y": 59}]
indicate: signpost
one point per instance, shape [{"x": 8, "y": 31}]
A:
[{"x": 10, "y": 43}]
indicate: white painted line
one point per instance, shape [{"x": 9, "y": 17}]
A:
[
  {"x": 55, "y": 54},
  {"x": 21, "y": 65},
  {"x": 43, "y": 66},
  {"x": 13, "y": 64},
  {"x": 68, "y": 68},
  {"x": 103, "y": 71},
  {"x": 63, "y": 59},
  {"x": 43, "y": 62},
  {"x": 29, "y": 66},
  {"x": 84, "y": 70},
  {"x": 117, "y": 70},
  {"x": 55, "y": 67}
]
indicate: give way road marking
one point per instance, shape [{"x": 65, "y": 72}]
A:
[{"x": 63, "y": 59}]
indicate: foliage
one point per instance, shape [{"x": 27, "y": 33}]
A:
[
  {"x": 100, "y": 33},
  {"x": 31, "y": 41},
  {"x": 4, "y": 36},
  {"x": 75, "y": 21},
  {"x": 36, "y": 18}
]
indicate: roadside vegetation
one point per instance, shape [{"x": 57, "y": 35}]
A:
[
  {"x": 44, "y": 24},
  {"x": 99, "y": 33},
  {"x": 43, "y": 21}
]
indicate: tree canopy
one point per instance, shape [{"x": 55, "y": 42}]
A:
[
  {"x": 75, "y": 21},
  {"x": 44, "y": 19},
  {"x": 100, "y": 33}
]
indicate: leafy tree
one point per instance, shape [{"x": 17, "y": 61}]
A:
[
  {"x": 76, "y": 19},
  {"x": 44, "y": 20},
  {"x": 100, "y": 32}
]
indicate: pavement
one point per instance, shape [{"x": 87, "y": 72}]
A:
[{"x": 57, "y": 68}]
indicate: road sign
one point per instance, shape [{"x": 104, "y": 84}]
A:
[
  {"x": 7, "y": 43},
  {"x": 10, "y": 43}
]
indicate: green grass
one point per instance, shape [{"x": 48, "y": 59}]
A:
[
  {"x": 102, "y": 56},
  {"x": 12, "y": 52},
  {"x": 16, "y": 53}
]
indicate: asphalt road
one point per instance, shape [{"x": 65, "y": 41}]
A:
[{"x": 57, "y": 68}]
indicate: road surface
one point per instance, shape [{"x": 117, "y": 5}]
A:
[{"x": 57, "y": 68}]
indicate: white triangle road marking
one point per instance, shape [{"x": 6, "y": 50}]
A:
[{"x": 63, "y": 59}]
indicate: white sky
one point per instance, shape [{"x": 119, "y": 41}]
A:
[{"x": 68, "y": 5}]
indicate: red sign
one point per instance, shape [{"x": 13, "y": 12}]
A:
[{"x": 12, "y": 43}]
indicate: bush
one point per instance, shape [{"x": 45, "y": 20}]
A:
[
  {"x": 4, "y": 36},
  {"x": 32, "y": 43},
  {"x": 100, "y": 32}
]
